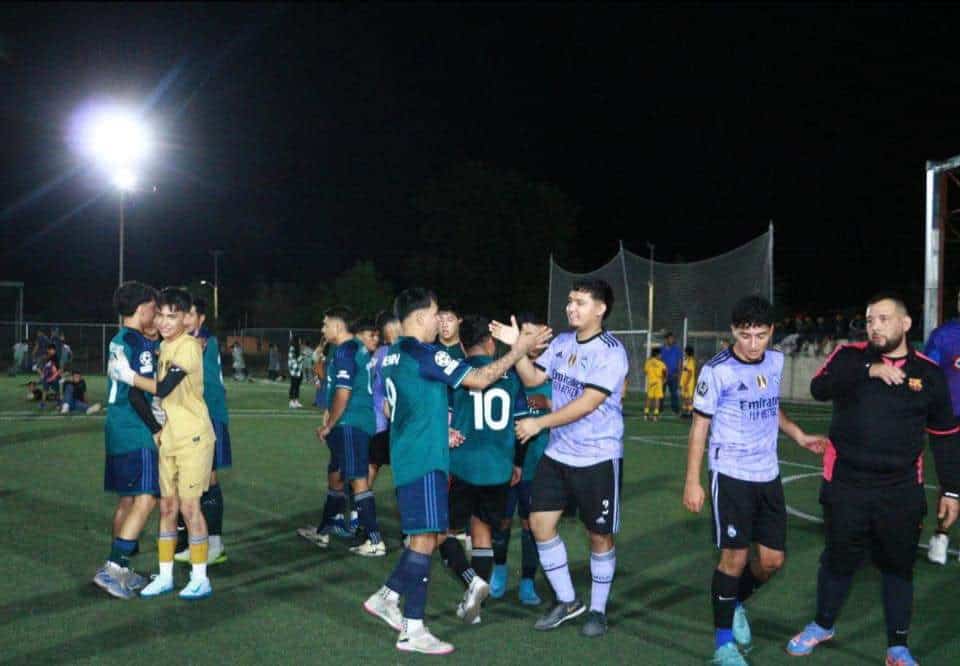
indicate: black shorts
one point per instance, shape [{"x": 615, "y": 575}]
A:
[
  {"x": 487, "y": 503},
  {"x": 884, "y": 523},
  {"x": 594, "y": 489},
  {"x": 746, "y": 512},
  {"x": 380, "y": 449}
]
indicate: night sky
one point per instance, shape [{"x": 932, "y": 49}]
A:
[{"x": 296, "y": 137}]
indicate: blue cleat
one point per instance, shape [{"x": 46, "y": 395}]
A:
[
  {"x": 528, "y": 593},
  {"x": 812, "y": 635},
  {"x": 112, "y": 579},
  {"x": 196, "y": 589},
  {"x": 728, "y": 655},
  {"x": 741, "y": 627},
  {"x": 899, "y": 655},
  {"x": 498, "y": 581}
]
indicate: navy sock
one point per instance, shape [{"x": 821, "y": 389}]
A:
[
  {"x": 211, "y": 505},
  {"x": 396, "y": 581},
  {"x": 748, "y": 584},
  {"x": 336, "y": 502},
  {"x": 501, "y": 544},
  {"x": 724, "y": 595},
  {"x": 418, "y": 576},
  {"x": 832, "y": 591},
  {"x": 367, "y": 513},
  {"x": 530, "y": 560},
  {"x": 455, "y": 559},
  {"x": 482, "y": 562},
  {"x": 897, "y": 608},
  {"x": 120, "y": 551}
]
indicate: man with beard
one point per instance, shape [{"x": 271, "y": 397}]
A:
[{"x": 885, "y": 395}]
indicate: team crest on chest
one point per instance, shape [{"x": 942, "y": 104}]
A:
[
  {"x": 761, "y": 382},
  {"x": 915, "y": 384}
]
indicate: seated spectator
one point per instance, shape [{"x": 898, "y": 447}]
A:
[
  {"x": 75, "y": 394},
  {"x": 50, "y": 375}
]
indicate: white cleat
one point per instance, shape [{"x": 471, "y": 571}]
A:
[
  {"x": 64, "y": 408},
  {"x": 937, "y": 552},
  {"x": 158, "y": 586},
  {"x": 196, "y": 589},
  {"x": 385, "y": 604},
  {"x": 421, "y": 640},
  {"x": 94, "y": 408},
  {"x": 314, "y": 536},
  {"x": 473, "y": 598},
  {"x": 369, "y": 549}
]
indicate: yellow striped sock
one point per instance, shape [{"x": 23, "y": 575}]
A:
[
  {"x": 166, "y": 545},
  {"x": 198, "y": 551}
]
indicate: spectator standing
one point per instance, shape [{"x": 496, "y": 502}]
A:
[
  {"x": 295, "y": 368},
  {"x": 672, "y": 356},
  {"x": 239, "y": 365},
  {"x": 273, "y": 362}
]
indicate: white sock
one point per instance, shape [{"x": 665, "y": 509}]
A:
[
  {"x": 553, "y": 559},
  {"x": 602, "y": 568},
  {"x": 215, "y": 542},
  {"x": 166, "y": 569},
  {"x": 199, "y": 571}
]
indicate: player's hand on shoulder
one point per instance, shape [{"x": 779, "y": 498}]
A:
[
  {"x": 693, "y": 496},
  {"x": 454, "y": 438},
  {"x": 888, "y": 374}
]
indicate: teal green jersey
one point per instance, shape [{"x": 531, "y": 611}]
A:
[
  {"x": 537, "y": 445},
  {"x": 328, "y": 381},
  {"x": 351, "y": 371},
  {"x": 124, "y": 430},
  {"x": 455, "y": 350},
  {"x": 214, "y": 392},
  {"x": 485, "y": 419},
  {"x": 416, "y": 376}
]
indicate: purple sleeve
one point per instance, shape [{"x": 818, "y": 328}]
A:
[
  {"x": 379, "y": 392},
  {"x": 707, "y": 393},
  {"x": 608, "y": 371},
  {"x": 933, "y": 348},
  {"x": 437, "y": 365},
  {"x": 545, "y": 360},
  {"x": 345, "y": 366}
]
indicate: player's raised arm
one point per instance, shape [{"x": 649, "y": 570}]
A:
[
  {"x": 480, "y": 378},
  {"x": 531, "y": 373}
]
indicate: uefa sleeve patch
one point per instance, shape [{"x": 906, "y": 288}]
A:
[
  {"x": 442, "y": 359},
  {"x": 702, "y": 389}
]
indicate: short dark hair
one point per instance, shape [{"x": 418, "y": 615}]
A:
[
  {"x": 341, "y": 312},
  {"x": 752, "y": 311},
  {"x": 385, "y": 317},
  {"x": 200, "y": 305},
  {"x": 363, "y": 324},
  {"x": 451, "y": 307},
  {"x": 688, "y": 350},
  {"x": 474, "y": 330},
  {"x": 599, "y": 290},
  {"x": 669, "y": 334},
  {"x": 411, "y": 300},
  {"x": 527, "y": 317},
  {"x": 655, "y": 351},
  {"x": 131, "y": 295},
  {"x": 176, "y": 299},
  {"x": 889, "y": 296}
]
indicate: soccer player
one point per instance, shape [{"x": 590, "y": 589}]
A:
[
  {"x": 688, "y": 376},
  {"x": 944, "y": 348},
  {"x": 482, "y": 468},
  {"x": 449, "y": 332},
  {"x": 584, "y": 457},
  {"x": 187, "y": 441},
  {"x": 131, "y": 452},
  {"x": 518, "y": 498},
  {"x": 215, "y": 397},
  {"x": 656, "y": 372},
  {"x": 389, "y": 327},
  {"x": 417, "y": 374},
  {"x": 886, "y": 399},
  {"x": 738, "y": 402}
]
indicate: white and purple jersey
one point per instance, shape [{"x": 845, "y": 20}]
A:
[
  {"x": 944, "y": 348},
  {"x": 742, "y": 399},
  {"x": 379, "y": 391},
  {"x": 599, "y": 363}
]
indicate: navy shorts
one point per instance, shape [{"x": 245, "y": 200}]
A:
[
  {"x": 424, "y": 505},
  {"x": 350, "y": 451},
  {"x": 518, "y": 500},
  {"x": 222, "y": 453},
  {"x": 133, "y": 473}
]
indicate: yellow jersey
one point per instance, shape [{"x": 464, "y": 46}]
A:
[
  {"x": 187, "y": 416},
  {"x": 655, "y": 370},
  {"x": 688, "y": 374}
]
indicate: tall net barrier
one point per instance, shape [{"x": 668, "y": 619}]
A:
[{"x": 700, "y": 292}]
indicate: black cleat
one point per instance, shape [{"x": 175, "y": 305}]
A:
[
  {"x": 559, "y": 614},
  {"x": 595, "y": 626}
]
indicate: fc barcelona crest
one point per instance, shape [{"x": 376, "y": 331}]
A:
[{"x": 915, "y": 384}]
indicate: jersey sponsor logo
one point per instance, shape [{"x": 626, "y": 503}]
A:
[
  {"x": 761, "y": 382},
  {"x": 758, "y": 410},
  {"x": 915, "y": 384},
  {"x": 391, "y": 359},
  {"x": 702, "y": 389}
]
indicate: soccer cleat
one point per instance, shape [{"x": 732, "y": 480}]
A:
[
  {"x": 899, "y": 655},
  {"x": 473, "y": 598},
  {"x": 812, "y": 635},
  {"x": 112, "y": 579},
  {"x": 385, "y": 605},
  {"x": 559, "y": 614},
  {"x": 370, "y": 549},
  {"x": 135, "y": 581},
  {"x": 313, "y": 535},
  {"x": 94, "y": 408},
  {"x": 741, "y": 627},
  {"x": 462, "y": 613},
  {"x": 64, "y": 408},
  {"x": 937, "y": 552},
  {"x": 728, "y": 655},
  {"x": 196, "y": 589},
  {"x": 421, "y": 640},
  {"x": 216, "y": 554},
  {"x": 528, "y": 593},
  {"x": 595, "y": 626},
  {"x": 158, "y": 586},
  {"x": 498, "y": 582}
]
